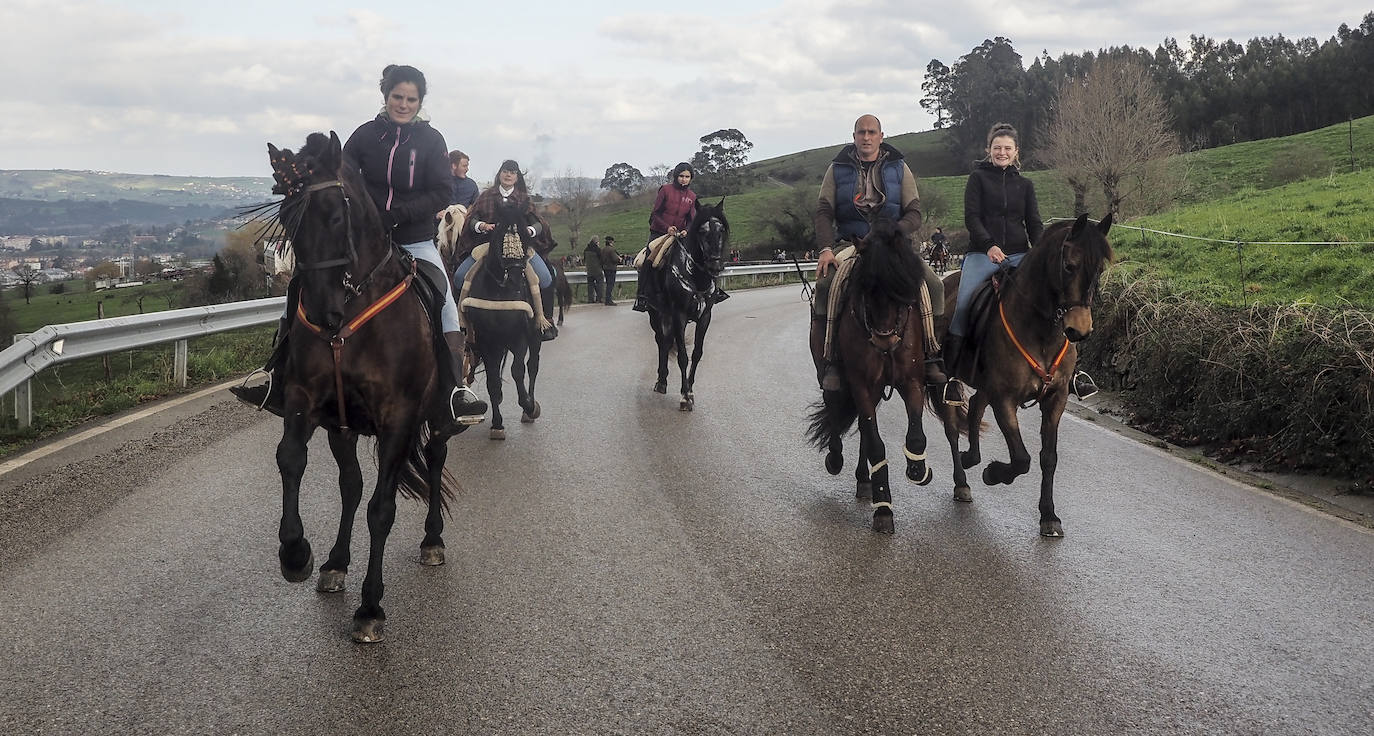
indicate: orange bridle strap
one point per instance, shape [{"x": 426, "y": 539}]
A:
[
  {"x": 1045, "y": 375},
  {"x": 336, "y": 341}
]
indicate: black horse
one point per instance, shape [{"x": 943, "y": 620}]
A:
[
  {"x": 684, "y": 288},
  {"x": 360, "y": 360},
  {"x": 498, "y": 314}
]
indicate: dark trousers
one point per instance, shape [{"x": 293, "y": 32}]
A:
[
  {"x": 593, "y": 288},
  {"x": 610, "y": 284}
]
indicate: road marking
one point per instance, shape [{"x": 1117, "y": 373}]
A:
[{"x": 42, "y": 452}]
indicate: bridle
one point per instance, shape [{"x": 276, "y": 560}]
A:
[{"x": 353, "y": 289}]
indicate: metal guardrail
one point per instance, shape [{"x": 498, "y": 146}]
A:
[{"x": 57, "y": 344}]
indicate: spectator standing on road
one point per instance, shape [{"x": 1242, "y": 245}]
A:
[
  {"x": 591, "y": 261},
  {"x": 610, "y": 260}
]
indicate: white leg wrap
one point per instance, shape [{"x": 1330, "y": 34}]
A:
[
  {"x": 911, "y": 455},
  {"x": 882, "y": 505},
  {"x": 875, "y": 468}
]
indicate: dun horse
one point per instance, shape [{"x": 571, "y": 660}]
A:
[
  {"x": 878, "y": 343},
  {"x": 684, "y": 288},
  {"x": 359, "y": 360},
  {"x": 1022, "y": 350},
  {"x": 497, "y": 311}
]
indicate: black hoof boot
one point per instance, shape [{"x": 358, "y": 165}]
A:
[{"x": 548, "y": 333}]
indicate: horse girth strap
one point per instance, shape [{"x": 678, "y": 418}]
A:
[
  {"x": 1046, "y": 376},
  {"x": 336, "y": 340}
]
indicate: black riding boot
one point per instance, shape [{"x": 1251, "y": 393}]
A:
[
  {"x": 464, "y": 407},
  {"x": 717, "y": 294},
  {"x": 547, "y": 297},
  {"x": 953, "y": 352},
  {"x": 269, "y": 395},
  {"x": 644, "y": 291}
]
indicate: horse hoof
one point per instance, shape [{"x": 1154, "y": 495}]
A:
[
  {"x": 863, "y": 491},
  {"x": 537, "y": 411},
  {"x": 963, "y": 494},
  {"x": 525, "y": 418},
  {"x": 882, "y": 522},
  {"x": 302, "y": 573},
  {"x": 989, "y": 478},
  {"x": 331, "y": 581},
  {"x": 497, "y": 434},
  {"x": 834, "y": 463},
  {"x": 432, "y": 556},
  {"x": 368, "y": 631},
  {"x": 661, "y": 387},
  {"x": 1052, "y": 529},
  {"x": 913, "y": 474},
  {"x": 687, "y": 403}
]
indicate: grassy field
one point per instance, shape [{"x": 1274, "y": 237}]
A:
[{"x": 1327, "y": 209}]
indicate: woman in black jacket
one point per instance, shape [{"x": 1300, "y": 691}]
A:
[
  {"x": 405, "y": 168},
  {"x": 1003, "y": 221}
]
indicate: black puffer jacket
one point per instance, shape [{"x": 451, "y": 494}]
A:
[
  {"x": 407, "y": 172},
  {"x": 1000, "y": 209}
]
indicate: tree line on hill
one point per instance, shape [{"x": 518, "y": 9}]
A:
[{"x": 1216, "y": 92}]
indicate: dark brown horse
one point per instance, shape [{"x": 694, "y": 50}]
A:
[
  {"x": 878, "y": 343},
  {"x": 360, "y": 360},
  {"x": 1022, "y": 350}
]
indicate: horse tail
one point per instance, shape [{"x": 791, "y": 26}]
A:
[
  {"x": 831, "y": 420},
  {"x": 413, "y": 482}
]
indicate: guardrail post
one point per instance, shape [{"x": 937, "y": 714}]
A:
[
  {"x": 179, "y": 364},
  {"x": 23, "y": 398}
]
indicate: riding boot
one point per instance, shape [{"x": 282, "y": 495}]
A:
[
  {"x": 953, "y": 349},
  {"x": 550, "y": 332},
  {"x": 269, "y": 395},
  {"x": 644, "y": 292},
  {"x": 717, "y": 294},
  {"x": 463, "y": 405}
]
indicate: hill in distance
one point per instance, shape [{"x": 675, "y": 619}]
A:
[{"x": 104, "y": 186}]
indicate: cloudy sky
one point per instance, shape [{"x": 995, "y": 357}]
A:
[{"x": 167, "y": 86}]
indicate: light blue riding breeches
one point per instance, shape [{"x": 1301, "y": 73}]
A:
[
  {"x": 977, "y": 268},
  {"x": 426, "y": 251}
]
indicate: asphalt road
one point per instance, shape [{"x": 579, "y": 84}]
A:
[{"x": 620, "y": 567}]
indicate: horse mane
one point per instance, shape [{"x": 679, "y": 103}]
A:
[
  {"x": 889, "y": 266},
  {"x": 1096, "y": 250}
]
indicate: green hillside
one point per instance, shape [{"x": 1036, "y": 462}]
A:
[
  {"x": 1335, "y": 208},
  {"x": 90, "y": 186}
]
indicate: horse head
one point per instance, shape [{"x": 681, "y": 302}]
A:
[
  {"x": 889, "y": 266},
  {"x": 1074, "y": 266},
  {"x": 506, "y": 244},
  {"x": 330, "y": 223},
  {"x": 708, "y": 236}
]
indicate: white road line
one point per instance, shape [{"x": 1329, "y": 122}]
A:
[{"x": 28, "y": 457}]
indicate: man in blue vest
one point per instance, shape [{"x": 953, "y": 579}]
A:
[{"x": 865, "y": 180}]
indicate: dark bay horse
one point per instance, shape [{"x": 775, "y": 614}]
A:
[
  {"x": 497, "y": 311},
  {"x": 878, "y": 343},
  {"x": 684, "y": 289},
  {"x": 360, "y": 360},
  {"x": 1023, "y": 352}
]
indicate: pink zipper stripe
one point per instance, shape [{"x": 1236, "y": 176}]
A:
[
  {"x": 390, "y": 160},
  {"x": 412, "y": 168}
]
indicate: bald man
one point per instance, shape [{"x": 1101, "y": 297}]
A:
[{"x": 866, "y": 180}]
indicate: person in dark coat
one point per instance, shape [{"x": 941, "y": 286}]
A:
[
  {"x": 405, "y": 170},
  {"x": 1003, "y": 221},
  {"x": 591, "y": 261},
  {"x": 610, "y": 261}
]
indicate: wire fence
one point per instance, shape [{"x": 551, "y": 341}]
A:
[{"x": 1240, "y": 246}]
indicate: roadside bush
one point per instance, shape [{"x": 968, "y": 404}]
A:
[
  {"x": 57, "y": 288},
  {"x": 1287, "y": 387}
]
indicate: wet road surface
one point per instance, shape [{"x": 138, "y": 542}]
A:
[{"x": 620, "y": 567}]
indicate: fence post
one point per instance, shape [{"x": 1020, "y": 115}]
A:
[
  {"x": 23, "y": 398},
  {"x": 1240, "y": 260},
  {"x": 179, "y": 364}
]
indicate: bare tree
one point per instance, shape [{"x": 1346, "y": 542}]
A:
[
  {"x": 576, "y": 194},
  {"x": 1108, "y": 128},
  {"x": 28, "y": 277}
]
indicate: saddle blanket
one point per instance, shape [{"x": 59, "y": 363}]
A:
[
  {"x": 473, "y": 302},
  {"x": 657, "y": 250}
]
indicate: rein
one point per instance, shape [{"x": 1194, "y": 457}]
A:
[
  {"x": 336, "y": 340},
  {"x": 1046, "y": 376},
  {"x": 885, "y": 342}
]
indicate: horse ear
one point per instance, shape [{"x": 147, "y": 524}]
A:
[
  {"x": 1106, "y": 225},
  {"x": 1078, "y": 226},
  {"x": 721, "y": 204},
  {"x": 335, "y": 150}
]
